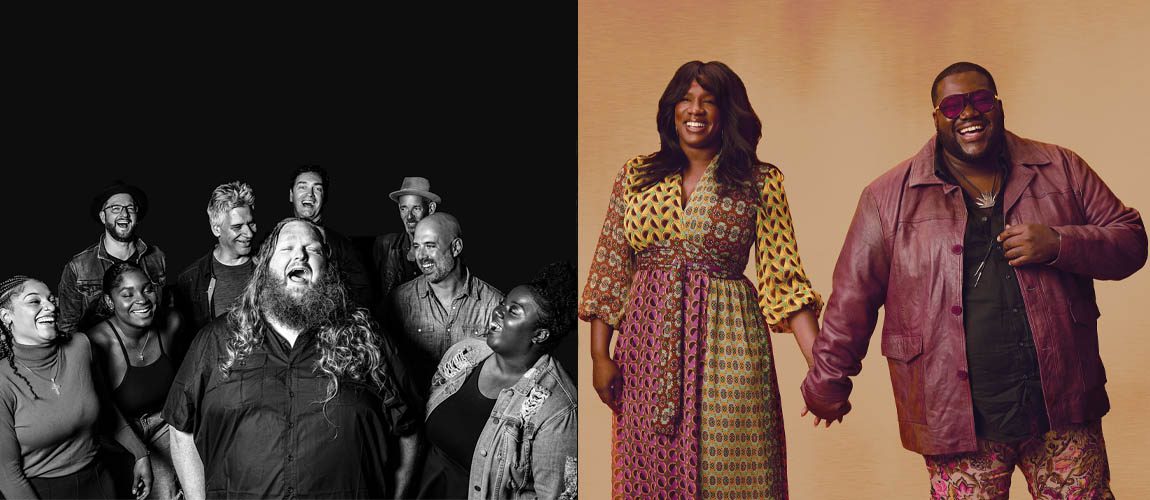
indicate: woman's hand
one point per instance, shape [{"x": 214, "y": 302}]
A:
[
  {"x": 607, "y": 381},
  {"x": 142, "y": 478}
]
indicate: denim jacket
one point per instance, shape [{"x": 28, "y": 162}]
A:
[
  {"x": 529, "y": 447},
  {"x": 82, "y": 282}
]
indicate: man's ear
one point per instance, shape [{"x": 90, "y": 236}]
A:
[
  {"x": 430, "y": 207},
  {"x": 216, "y": 230},
  {"x": 456, "y": 247}
]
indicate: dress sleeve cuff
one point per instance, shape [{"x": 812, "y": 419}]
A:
[{"x": 809, "y": 300}]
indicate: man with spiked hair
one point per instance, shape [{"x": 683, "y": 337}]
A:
[
  {"x": 209, "y": 286},
  {"x": 291, "y": 394}
]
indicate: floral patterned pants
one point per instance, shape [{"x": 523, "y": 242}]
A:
[{"x": 1068, "y": 463}]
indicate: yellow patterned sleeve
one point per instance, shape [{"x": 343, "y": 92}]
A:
[
  {"x": 783, "y": 285},
  {"x": 609, "y": 281}
]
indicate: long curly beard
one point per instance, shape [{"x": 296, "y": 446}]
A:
[{"x": 304, "y": 312}]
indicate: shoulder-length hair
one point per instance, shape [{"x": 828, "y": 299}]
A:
[
  {"x": 346, "y": 339},
  {"x": 740, "y": 127}
]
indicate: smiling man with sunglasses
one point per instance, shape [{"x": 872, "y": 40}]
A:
[
  {"x": 983, "y": 248},
  {"x": 119, "y": 208}
]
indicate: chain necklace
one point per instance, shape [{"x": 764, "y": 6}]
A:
[
  {"x": 147, "y": 337},
  {"x": 52, "y": 380},
  {"x": 985, "y": 199}
]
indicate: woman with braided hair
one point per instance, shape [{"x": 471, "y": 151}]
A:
[
  {"x": 50, "y": 398},
  {"x": 503, "y": 419}
]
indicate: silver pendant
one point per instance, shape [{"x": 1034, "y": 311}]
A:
[
  {"x": 985, "y": 200},
  {"x": 56, "y": 387}
]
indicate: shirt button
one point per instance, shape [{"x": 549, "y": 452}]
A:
[
  {"x": 956, "y": 310},
  {"x": 962, "y": 375},
  {"x": 291, "y": 394},
  {"x": 477, "y": 487},
  {"x": 957, "y": 249},
  {"x": 290, "y": 458},
  {"x": 1014, "y": 310},
  {"x": 483, "y": 453}
]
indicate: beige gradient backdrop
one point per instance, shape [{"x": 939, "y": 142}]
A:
[{"x": 843, "y": 93}]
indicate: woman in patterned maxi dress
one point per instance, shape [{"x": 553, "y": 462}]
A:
[{"x": 692, "y": 380}]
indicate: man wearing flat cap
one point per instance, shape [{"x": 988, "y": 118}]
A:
[
  {"x": 394, "y": 258},
  {"x": 119, "y": 208}
]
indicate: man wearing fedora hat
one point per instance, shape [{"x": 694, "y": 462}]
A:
[
  {"x": 119, "y": 208},
  {"x": 392, "y": 252}
]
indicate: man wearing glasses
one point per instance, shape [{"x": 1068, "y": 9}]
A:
[
  {"x": 983, "y": 248},
  {"x": 119, "y": 207}
]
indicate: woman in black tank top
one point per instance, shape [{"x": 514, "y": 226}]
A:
[{"x": 135, "y": 347}]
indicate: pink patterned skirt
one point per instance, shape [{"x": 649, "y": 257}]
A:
[{"x": 700, "y": 412}]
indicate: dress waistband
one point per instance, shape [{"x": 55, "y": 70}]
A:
[{"x": 661, "y": 258}]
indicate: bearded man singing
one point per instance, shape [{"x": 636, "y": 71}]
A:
[{"x": 291, "y": 393}]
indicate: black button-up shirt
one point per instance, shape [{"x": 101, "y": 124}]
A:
[
  {"x": 1001, "y": 358},
  {"x": 261, "y": 432}
]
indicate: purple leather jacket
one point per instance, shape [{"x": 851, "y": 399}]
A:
[{"x": 904, "y": 251}]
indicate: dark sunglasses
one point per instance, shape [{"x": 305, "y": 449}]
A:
[{"x": 952, "y": 105}]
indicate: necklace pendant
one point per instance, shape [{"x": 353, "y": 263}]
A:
[
  {"x": 141, "y": 356},
  {"x": 985, "y": 200},
  {"x": 56, "y": 387}
]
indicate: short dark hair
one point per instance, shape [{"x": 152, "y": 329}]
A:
[
  {"x": 315, "y": 169},
  {"x": 554, "y": 289},
  {"x": 114, "y": 275},
  {"x": 959, "y": 67}
]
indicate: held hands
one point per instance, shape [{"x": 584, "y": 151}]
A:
[
  {"x": 841, "y": 410},
  {"x": 1025, "y": 244},
  {"x": 142, "y": 478},
  {"x": 607, "y": 381}
]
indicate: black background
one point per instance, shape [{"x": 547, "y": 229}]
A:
[{"x": 481, "y": 104}]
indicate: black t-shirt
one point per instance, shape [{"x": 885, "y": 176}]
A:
[{"x": 230, "y": 283}]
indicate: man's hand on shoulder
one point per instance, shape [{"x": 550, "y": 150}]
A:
[{"x": 1026, "y": 244}]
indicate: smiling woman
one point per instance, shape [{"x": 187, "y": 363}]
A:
[
  {"x": 135, "y": 348},
  {"x": 50, "y": 394},
  {"x": 692, "y": 381},
  {"x": 507, "y": 394}
]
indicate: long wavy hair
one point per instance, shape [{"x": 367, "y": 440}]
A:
[
  {"x": 9, "y": 288},
  {"x": 739, "y": 126},
  {"x": 345, "y": 338}
]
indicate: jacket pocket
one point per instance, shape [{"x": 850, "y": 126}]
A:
[
  {"x": 907, "y": 376},
  {"x": 1085, "y": 314}
]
